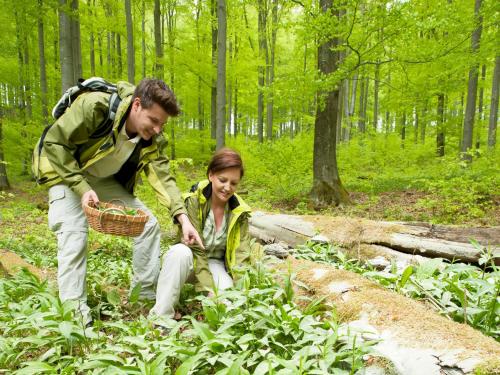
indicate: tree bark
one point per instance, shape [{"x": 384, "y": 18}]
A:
[
  {"x": 412, "y": 238},
  {"x": 470, "y": 108},
  {"x": 327, "y": 188},
  {"x": 91, "y": 41},
  {"x": 213, "y": 91},
  {"x": 440, "y": 140},
  {"x": 42, "y": 64},
  {"x": 158, "y": 40},
  {"x": 221, "y": 73},
  {"x": 75, "y": 41},
  {"x": 130, "y": 43},
  {"x": 143, "y": 37},
  {"x": 4, "y": 181},
  {"x": 480, "y": 108},
  {"x": 263, "y": 61},
  {"x": 270, "y": 67},
  {"x": 492, "y": 128},
  {"x": 375, "y": 96},
  {"x": 65, "y": 47}
]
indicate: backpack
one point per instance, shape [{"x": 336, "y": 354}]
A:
[{"x": 92, "y": 84}]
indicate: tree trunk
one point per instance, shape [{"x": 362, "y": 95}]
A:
[
  {"x": 440, "y": 140},
  {"x": 263, "y": 60},
  {"x": 423, "y": 121},
  {"x": 221, "y": 73},
  {"x": 42, "y": 64},
  {"x": 361, "y": 119},
  {"x": 158, "y": 40},
  {"x": 213, "y": 91},
  {"x": 480, "y": 108},
  {"x": 119, "y": 55},
  {"x": 65, "y": 47},
  {"x": 91, "y": 41},
  {"x": 375, "y": 96},
  {"x": 403, "y": 129},
  {"x": 270, "y": 68},
  {"x": 411, "y": 238},
  {"x": 4, "y": 181},
  {"x": 492, "y": 128},
  {"x": 470, "y": 108},
  {"x": 327, "y": 188},
  {"x": 143, "y": 37},
  {"x": 201, "y": 114},
  {"x": 75, "y": 41},
  {"x": 415, "y": 126},
  {"x": 130, "y": 43}
]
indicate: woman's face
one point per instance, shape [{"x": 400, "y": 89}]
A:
[{"x": 224, "y": 183}]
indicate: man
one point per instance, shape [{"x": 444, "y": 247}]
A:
[{"x": 83, "y": 163}]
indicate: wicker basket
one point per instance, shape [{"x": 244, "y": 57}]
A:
[{"x": 112, "y": 219}]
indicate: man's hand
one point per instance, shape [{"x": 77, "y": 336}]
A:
[
  {"x": 90, "y": 196},
  {"x": 189, "y": 234}
]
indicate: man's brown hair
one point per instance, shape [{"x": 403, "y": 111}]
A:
[{"x": 151, "y": 91}]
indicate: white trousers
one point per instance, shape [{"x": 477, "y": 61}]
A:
[
  {"x": 176, "y": 268},
  {"x": 68, "y": 221}
]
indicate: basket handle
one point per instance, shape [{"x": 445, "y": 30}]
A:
[
  {"x": 118, "y": 200},
  {"x": 101, "y": 213}
]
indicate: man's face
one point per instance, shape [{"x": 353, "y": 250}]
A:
[{"x": 145, "y": 122}]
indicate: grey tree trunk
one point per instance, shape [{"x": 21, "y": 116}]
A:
[
  {"x": 221, "y": 72},
  {"x": 403, "y": 129},
  {"x": 270, "y": 68},
  {"x": 4, "y": 181},
  {"x": 327, "y": 188},
  {"x": 201, "y": 114},
  {"x": 492, "y": 128},
  {"x": 130, "y": 43},
  {"x": 158, "y": 39},
  {"x": 42, "y": 64},
  {"x": 361, "y": 120},
  {"x": 119, "y": 54},
  {"x": 75, "y": 41},
  {"x": 143, "y": 37},
  {"x": 423, "y": 123},
  {"x": 375, "y": 97},
  {"x": 213, "y": 91},
  {"x": 415, "y": 126},
  {"x": 440, "y": 140},
  {"x": 65, "y": 47},
  {"x": 263, "y": 61},
  {"x": 470, "y": 108},
  {"x": 480, "y": 110},
  {"x": 91, "y": 42}
]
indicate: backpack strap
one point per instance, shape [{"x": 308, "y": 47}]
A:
[{"x": 102, "y": 129}]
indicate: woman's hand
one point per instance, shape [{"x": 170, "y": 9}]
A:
[{"x": 189, "y": 233}]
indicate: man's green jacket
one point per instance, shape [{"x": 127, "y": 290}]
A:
[
  {"x": 71, "y": 146},
  {"x": 238, "y": 245}
]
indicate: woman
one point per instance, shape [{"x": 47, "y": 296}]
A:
[{"x": 221, "y": 215}]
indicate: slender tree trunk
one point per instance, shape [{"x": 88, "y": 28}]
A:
[
  {"x": 213, "y": 91},
  {"x": 130, "y": 43},
  {"x": 201, "y": 114},
  {"x": 101, "y": 57},
  {"x": 327, "y": 188},
  {"x": 415, "y": 126},
  {"x": 470, "y": 108},
  {"x": 119, "y": 54},
  {"x": 221, "y": 72},
  {"x": 4, "y": 181},
  {"x": 65, "y": 47},
  {"x": 492, "y": 128},
  {"x": 423, "y": 124},
  {"x": 480, "y": 108},
  {"x": 91, "y": 41},
  {"x": 375, "y": 96},
  {"x": 270, "y": 67},
  {"x": 440, "y": 140},
  {"x": 403, "y": 129},
  {"x": 42, "y": 64},
  {"x": 75, "y": 41},
  {"x": 361, "y": 120},
  {"x": 263, "y": 60},
  {"x": 143, "y": 37},
  {"x": 158, "y": 40}
]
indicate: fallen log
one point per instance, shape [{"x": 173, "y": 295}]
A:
[
  {"x": 410, "y": 334},
  {"x": 11, "y": 263},
  {"x": 351, "y": 233}
]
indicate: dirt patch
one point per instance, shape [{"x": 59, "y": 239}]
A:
[
  {"x": 10, "y": 263},
  {"x": 411, "y": 323}
]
